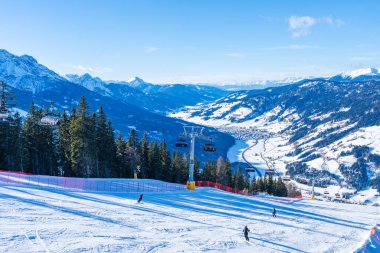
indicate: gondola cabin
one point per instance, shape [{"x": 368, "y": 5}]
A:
[
  {"x": 208, "y": 147},
  {"x": 50, "y": 121},
  {"x": 286, "y": 178},
  {"x": 4, "y": 117},
  {"x": 249, "y": 169},
  {"x": 270, "y": 172},
  {"x": 181, "y": 143}
]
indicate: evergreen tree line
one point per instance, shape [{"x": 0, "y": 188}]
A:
[
  {"x": 84, "y": 146},
  {"x": 221, "y": 172}
]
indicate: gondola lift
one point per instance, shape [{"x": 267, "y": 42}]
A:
[
  {"x": 209, "y": 146},
  {"x": 5, "y": 114},
  {"x": 250, "y": 169},
  {"x": 51, "y": 118},
  {"x": 181, "y": 143}
]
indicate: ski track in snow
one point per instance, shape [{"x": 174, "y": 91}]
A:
[{"x": 36, "y": 219}]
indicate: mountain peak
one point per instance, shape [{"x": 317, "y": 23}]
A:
[
  {"x": 361, "y": 72},
  {"x": 87, "y": 75},
  {"x": 75, "y": 78},
  {"x": 357, "y": 75},
  {"x": 17, "y": 71},
  {"x": 136, "y": 81},
  {"x": 28, "y": 58},
  {"x": 4, "y": 52}
]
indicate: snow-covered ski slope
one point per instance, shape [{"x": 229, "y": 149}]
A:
[{"x": 43, "y": 219}]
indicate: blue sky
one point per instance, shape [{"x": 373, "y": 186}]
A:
[{"x": 208, "y": 41}]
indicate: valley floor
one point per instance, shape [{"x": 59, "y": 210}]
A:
[{"x": 37, "y": 219}]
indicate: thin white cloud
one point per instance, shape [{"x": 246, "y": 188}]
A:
[
  {"x": 362, "y": 58},
  {"x": 151, "y": 49},
  {"x": 302, "y": 25},
  {"x": 291, "y": 47},
  {"x": 92, "y": 70},
  {"x": 330, "y": 21},
  {"x": 236, "y": 55},
  {"x": 83, "y": 68}
]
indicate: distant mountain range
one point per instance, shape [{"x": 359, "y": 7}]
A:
[
  {"x": 357, "y": 75},
  {"x": 330, "y": 126},
  {"x": 152, "y": 97},
  {"x": 127, "y": 104}
]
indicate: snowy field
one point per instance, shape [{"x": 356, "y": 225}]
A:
[{"x": 38, "y": 219}]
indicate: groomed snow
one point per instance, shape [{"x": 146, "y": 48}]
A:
[{"x": 35, "y": 219}]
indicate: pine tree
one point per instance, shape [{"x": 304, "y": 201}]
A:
[
  {"x": 180, "y": 174},
  {"x": 146, "y": 171},
  {"x": 270, "y": 185},
  {"x": 83, "y": 145},
  {"x": 253, "y": 186},
  {"x": 239, "y": 183},
  {"x": 122, "y": 165},
  {"x": 265, "y": 183},
  {"x": 260, "y": 185},
  {"x": 221, "y": 175},
  {"x": 111, "y": 151},
  {"x": 209, "y": 171},
  {"x": 133, "y": 140},
  {"x": 229, "y": 180},
  {"x": 246, "y": 183},
  {"x": 39, "y": 154},
  {"x": 197, "y": 175},
  {"x": 101, "y": 143},
  {"x": 154, "y": 160},
  {"x": 165, "y": 162},
  {"x": 64, "y": 141},
  {"x": 280, "y": 188}
]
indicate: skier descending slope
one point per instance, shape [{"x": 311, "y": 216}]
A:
[
  {"x": 246, "y": 230},
  {"x": 274, "y": 212},
  {"x": 140, "y": 198}
]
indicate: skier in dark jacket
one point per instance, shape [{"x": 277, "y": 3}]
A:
[
  {"x": 246, "y": 230},
  {"x": 140, "y": 198},
  {"x": 274, "y": 212}
]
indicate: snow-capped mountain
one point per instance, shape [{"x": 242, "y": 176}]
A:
[
  {"x": 153, "y": 97},
  {"x": 31, "y": 81},
  {"x": 347, "y": 76},
  {"x": 26, "y": 73},
  {"x": 136, "y": 81},
  {"x": 89, "y": 82},
  {"x": 261, "y": 84},
  {"x": 358, "y": 75},
  {"x": 332, "y": 127}
]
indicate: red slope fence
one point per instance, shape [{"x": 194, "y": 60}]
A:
[
  {"x": 220, "y": 187},
  {"x": 233, "y": 190}
]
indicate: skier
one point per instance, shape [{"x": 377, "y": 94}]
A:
[
  {"x": 140, "y": 198},
  {"x": 246, "y": 230},
  {"x": 274, "y": 212}
]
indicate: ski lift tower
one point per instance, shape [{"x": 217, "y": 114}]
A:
[
  {"x": 312, "y": 192},
  {"x": 5, "y": 114},
  {"x": 192, "y": 132}
]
